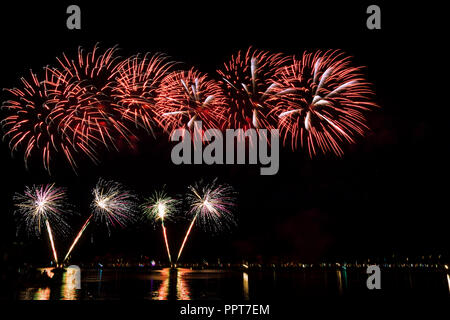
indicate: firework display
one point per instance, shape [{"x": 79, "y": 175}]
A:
[
  {"x": 248, "y": 79},
  {"x": 43, "y": 206},
  {"x": 318, "y": 101},
  {"x": 187, "y": 96},
  {"x": 321, "y": 101},
  {"x": 138, "y": 79},
  {"x": 211, "y": 206},
  {"x": 31, "y": 122},
  {"x": 112, "y": 205},
  {"x": 161, "y": 207}
]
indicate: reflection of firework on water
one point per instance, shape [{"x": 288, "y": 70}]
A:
[
  {"x": 321, "y": 102},
  {"x": 211, "y": 206},
  {"x": 112, "y": 205},
  {"x": 161, "y": 207},
  {"x": 163, "y": 291},
  {"x": 248, "y": 82},
  {"x": 43, "y": 206},
  {"x": 138, "y": 79},
  {"x": 181, "y": 285},
  {"x": 183, "y": 292},
  {"x": 187, "y": 96}
]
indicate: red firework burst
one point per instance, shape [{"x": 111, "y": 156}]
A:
[
  {"x": 321, "y": 102},
  {"x": 187, "y": 96},
  {"x": 138, "y": 79},
  {"x": 85, "y": 86},
  {"x": 31, "y": 124},
  {"x": 248, "y": 80}
]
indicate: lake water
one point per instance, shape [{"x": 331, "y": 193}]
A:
[{"x": 210, "y": 284}]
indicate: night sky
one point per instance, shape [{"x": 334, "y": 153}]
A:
[{"x": 387, "y": 194}]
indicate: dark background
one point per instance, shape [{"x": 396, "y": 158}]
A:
[{"x": 387, "y": 195}]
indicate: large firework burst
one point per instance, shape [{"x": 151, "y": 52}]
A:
[
  {"x": 321, "y": 102},
  {"x": 70, "y": 111},
  {"x": 138, "y": 79},
  {"x": 211, "y": 205},
  {"x": 33, "y": 124},
  {"x": 188, "y": 96},
  {"x": 248, "y": 80},
  {"x": 43, "y": 207},
  {"x": 84, "y": 86}
]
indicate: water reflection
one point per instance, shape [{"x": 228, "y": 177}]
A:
[
  {"x": 183, "y": 292},
  {"x": 189, "y": 284},
  {"x": 339, "y": 280},
  {"x": 174, "y": 285},
  {"x": 245, "y": 285},
  {"x": 67, "y": 289},
  {"x": 163, "y": 291},
  {"x": 42, "y": 294},
  {"x": 71, "y": 282}
]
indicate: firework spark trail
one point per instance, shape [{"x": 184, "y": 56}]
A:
[
  {"x": 52, "y": 242},
  {"x": 111, "y": 205},
  {"x": 43, "y": 204},
  {"x": 186, "y": 237},
  {"x": 187, "y": 96},
  {"x": 161, "y": 207},
  {"x": 78, "y": 237},
  {"x": 321, "y": 101},
  {"x": 211, "y": 206},
  {"x": 248, "y": 80},
  {"x": 166, "y": 241}
]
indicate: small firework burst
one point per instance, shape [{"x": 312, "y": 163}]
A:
[
  {"x": 138, "y": 79},
  {"x": 43, "y": 206},
  {"x": 188, "y": 96},
  {"x": 113, "y": 204},
  {"x": 248, "y": 80},
  {"x": 212, "y": 204},
  {"x": 322, "y": 101},
  {"x": 160, "y": 207},
  {"x": 41, "y": 203}
]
